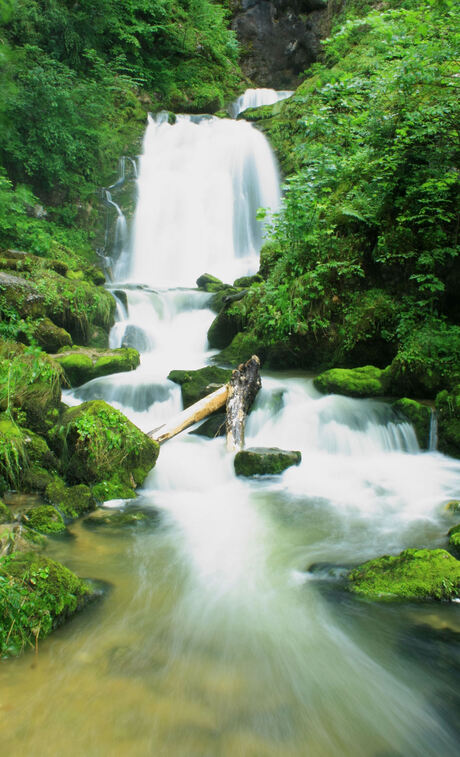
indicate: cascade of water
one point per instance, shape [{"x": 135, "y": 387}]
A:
[{"x": 255, "y": 98}]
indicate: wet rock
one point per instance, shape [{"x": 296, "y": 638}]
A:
[
  {"x": 231, "y": 320},
  {"x": 367, "y": 381},
  {"x": 71, "y": 501},
  {"x": 417, "y": 414},
  {"x": 197, "y": 384},
  {"x": 413, "y": 574},
  {"x": 213, "y": 426},
  {"x": 83, "y": 364},
  {"x": 45, "y": 519},
  {"x": 50, "y": 337},
  {"x": 247, "y": 281},
  {"x": 448, "y": 410},
  {"x": 210, "y": 283},
  {"x": 264, "y": 461},
  {"x": 136, "y": 338},
  {"x": 119, "y": 519}
]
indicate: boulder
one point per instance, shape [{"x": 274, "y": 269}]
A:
[
  {"x": 247, "y": 281},
  {"x": 50, "y": 337},
  {"x": 197, "y": 384},
  {"x": 264, "y": 461},
  {"x": 71, "y": 501},
  {"x": 100, "y": 447},
  {"x": 413, "y": 574},
  {"x": 417, "y": 414},
  {"x": 26, "y": 462},
  {"x": 22, "y": 295},
  {"x": 230, "y": 320},
  {"x": 118, "y": 519},
  {"x": 45, "y": 519},
  {"x": 241, "y": 348},
  {"x": 210, "y": 283},
  {"x": 448, "y": 410},
  {"x": 213, "y": 426},
  {"x": 367, "y": 381},
  {"x": 83, "y": 364}
]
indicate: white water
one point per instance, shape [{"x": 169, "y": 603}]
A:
[
  {"x": 255, "y": 98},
  {"x": 229, "y": 646}
]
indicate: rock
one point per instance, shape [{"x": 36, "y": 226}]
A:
[
  {"x": 241, "y": 348},
  {"x": 25, "y": 458},
  {"x": 100, "y": 447},
  {"x": 448, "y": 410},
  {"x": 210, "y": 283},
  {"x": 454, "y": 538},
  {"x": 231, "y": 320},
  {"x": 72, "y": 501},
  {"x": 367, "y": 381},
  {"x": 413, "y": 574},
  {"x": 83, "y": 364},
  {"x": 98, "y": 337},
  {"x": 48, "y": 594},
  {"x": 247, "y": 281},
  {"x": 213, "y": 426},
  {"x": 417, "y": 414},
  {"x": 220, "y": 298},
  {"x": 197, "y": 384},
  {"x": 453, "y": 506},
  {"x": 122, "y": 296},
  {"x": 22, "y": 295},
  {"x": 6, "y": 515},
  {"x": 264, "y": 461},
  {"x": 50, "y": 337},
  {"x": 117, "y": 519},
  {"x": 45, "y": 519}
]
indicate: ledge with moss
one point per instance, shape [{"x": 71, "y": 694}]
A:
[
  {"x": 265, "y": 461},
  {"x": 415, "y": 574},
  {"x": 37, "y": 595},
  {"x": 82, "y": 364},
  {"x": 367, "y": 381}
]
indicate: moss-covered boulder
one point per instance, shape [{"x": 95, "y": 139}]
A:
[
  {"x": 448, "y": 410},
  {"x": 221, "y": 298},
  {"x": 197, "y": 384},
  {"x": 247, "y": 281},
  {"x": 45, "y": 519},
  {"x": 83, "y": 364},
  {"x": 6, "y": 515},
  {"x": 264, "y": 461},
  {"x": 22, "y": 295},
  {"x": 209, "y": 283},
  {"x": 71, "y": 501},
  {"x": 230, "y": 320},
  {"x": 413, "y": 574},
  {"x": 367, "y": 381},
  {"x": 454, "y": 538},
  {"x": 118, "y": 519},
  {"x": 241, "y": 348},
  {"x": 213, "y": 426},
  {"x": 37, "y": 594},
  {"x": 417, "y": 414},
  {"x": 100, "y": 447},
  {"x": 50, "y": 337},
  {"x": 26, "y": 462},
  {"x": 30, "y": 385}
]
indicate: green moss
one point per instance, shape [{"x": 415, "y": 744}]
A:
[
  {"x": 84, "y": 364},
  {"x": 45, "y": 519},
  {"x": 247, "y": 281},
  {"x": 103, "y": 449},
  {"x": 264, "y": 461},
  {"x": 50, "y": 337},
  {"x": 448, "y": 410},
  {"x": 35, "y": 479},
  {"x": 454, "y": 538},
  {"x": 367, "y": 381},
  {"x": 5, "y": 513},
  {"x": 72, "y": 501},
  {"x": 197, "y": 384},
  {"x": 218, "y": 300},
  {"x": 37, "y": 594},
  {"x": 241, "y": 348},
  {"x": 414, "y": 574},
  {"x": 210, "y": 283},
  {"x": 25, "y": 458},
  {"x": 417, "y": 414}
]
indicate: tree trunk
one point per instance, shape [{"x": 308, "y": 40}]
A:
[
  {"x": 243, "y": 387},
  {"x": 191, "y": 415}
]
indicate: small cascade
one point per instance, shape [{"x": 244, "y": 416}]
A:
[{"x": 255, "y": 98}]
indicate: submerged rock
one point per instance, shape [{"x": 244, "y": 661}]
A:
[
  {"x": 100, "y": 447},
  {"x": 264, "y": 461},
  {"x": 118, "y": 518},
  {"x": 84, "y": 363},
  {"x": 448, "y": 410},
  {"x": 367, "y": 381},
  {"x": 212, "y": 427},
  {"x": 197, "y": 384},
  {"x": 45, "y": 519},
  {"x": 420, "y": 417},
  {"x": 47, "y": 592},
  {"x": 413, "y": 574}
]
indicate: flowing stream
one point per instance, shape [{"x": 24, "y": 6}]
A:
[{"x": 226, "y": 631}]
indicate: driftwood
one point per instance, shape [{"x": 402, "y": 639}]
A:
[
  {"x": 244, "y": 385},
  {"x": 238, "y": 396}
]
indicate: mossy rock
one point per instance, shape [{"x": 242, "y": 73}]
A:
[
  {"x": 45, "y": 519},
  {"x": 30, "y": 385},
  {"x": 220, "y": 298},
  {"x": 98, "y": 337},
  {"x": 22, "y": 295},
  {"x": 117, "y": 519},
  {"x": 243, "y": 346},
  {"x": 46, "y": 592},
  {"x": 413, "y": 574},
  {"x": 50, "y": 337},
  {"x": 103, "y": 449},
  {"x": 6, "y": 515},
  {"x": 420, "y": 417},
  {"x": 454, "y": 538},
  {"x": 36, "y": 479},
  {"x": 197, "y": 384},
  {"x": 264, "y": 461},
  {"x": 71, "y": 501},
  {"x": 213, "y": 426},
  {"x": 84, "y": 364},
  {"x": 230, "y": 320},
  {"x": 448, "y": 410},
  {"x": 25, "y": 458},
  {"x": 367, "y": 381},
  {"x": 209, "y": 283},
  {"x": 247, "y": 281}
]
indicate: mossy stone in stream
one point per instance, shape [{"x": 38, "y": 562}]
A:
[
  {"x": 230, "y": 320},
  {"x": 72, "y": 501},
  {"x": 417, "y": 414},
  {"x": 242, "y": 347},
  {"x": 448, "y": 410},
  {"x": 264, "y": 461},
  {"x": 213, "y": 426},
  {"x": 454, "y": 538},
  {"x": 210, "y": 283},
  {"x": 5, "y": 513},
  {"x": 197, "y": 384},
  {"x": 367, "y": 381},
  {"x": 45, "y": 519},
  {"x": 37, "y": 594},
  {"x": 84, "y": 364},
  {"x": 413, "y": 574},
  {"x": 116, "y": 519}
]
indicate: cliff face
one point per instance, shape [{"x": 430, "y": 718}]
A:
[{"x": 279, "y": 38}]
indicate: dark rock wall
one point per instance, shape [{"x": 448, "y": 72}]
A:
[{"x": 279, "y": 39}]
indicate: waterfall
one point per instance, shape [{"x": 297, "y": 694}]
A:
[{"x": 255, "y": 98}]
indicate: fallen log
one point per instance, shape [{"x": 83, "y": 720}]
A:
[
  {"x": 191, "y": 415},
  {"x": 243, "y": 387}
]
